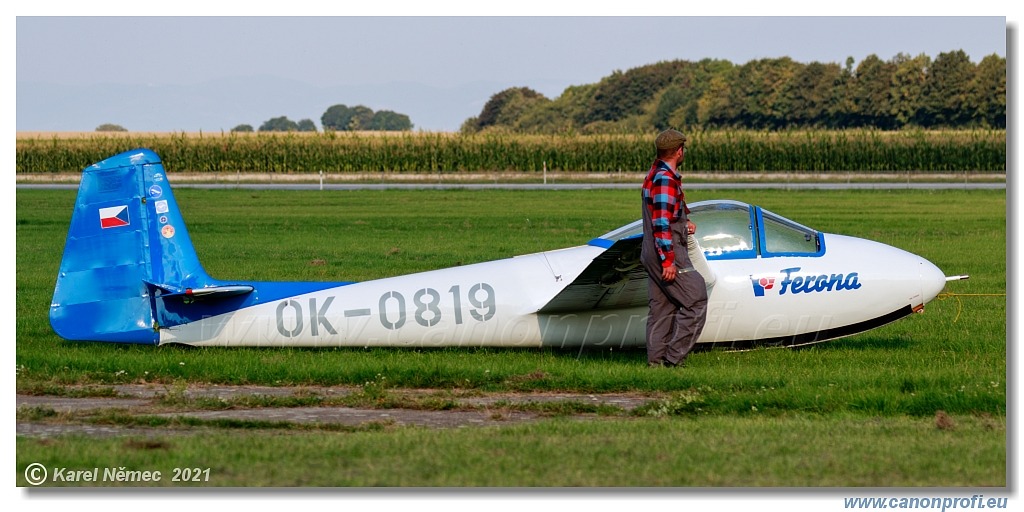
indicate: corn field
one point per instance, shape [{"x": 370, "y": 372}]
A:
[{"x": 712, "y": 151}]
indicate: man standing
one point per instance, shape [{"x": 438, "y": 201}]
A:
[{"x": 676, "y": 291}]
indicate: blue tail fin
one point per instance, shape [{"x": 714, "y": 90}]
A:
[{"x": 127, "y": 243}]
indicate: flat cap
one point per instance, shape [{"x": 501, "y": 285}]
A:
[{"x": 670, "y": 139}]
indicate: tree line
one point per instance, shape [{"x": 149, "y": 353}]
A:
[
  {"x": 338, "y": 118},
  {"x": 773, "y": 93}
]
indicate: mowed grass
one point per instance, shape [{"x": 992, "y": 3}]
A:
[
  {"x": 721, "y": 451},
  {"x": 952, "y": 358}
]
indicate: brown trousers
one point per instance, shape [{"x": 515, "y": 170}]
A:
[{"x": 678, "y": 309}]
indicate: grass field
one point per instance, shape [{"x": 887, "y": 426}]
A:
[{"x": 861, "y": 411}]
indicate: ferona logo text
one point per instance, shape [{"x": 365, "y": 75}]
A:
[{"x": 804, "y": 284}]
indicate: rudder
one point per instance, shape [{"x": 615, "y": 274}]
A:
[{"x": 126, "y": 240}]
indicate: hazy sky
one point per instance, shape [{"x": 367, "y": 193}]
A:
[
  {"x": 546, "y": 53},
  {"x": 155, "y": 73}
]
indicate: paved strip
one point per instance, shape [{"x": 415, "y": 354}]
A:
[
  {"x": 50, "y": 430},
  {"x": 137, "y": 395},
  {"x": 65, "y": 404},
  {"x": 350, "y": 416},
  {"x": 561, "y": 186}
]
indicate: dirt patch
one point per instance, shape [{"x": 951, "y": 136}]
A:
[{"x": 456, "y": 409}]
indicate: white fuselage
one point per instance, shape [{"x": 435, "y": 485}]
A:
[{"x": 496, "y": 303}]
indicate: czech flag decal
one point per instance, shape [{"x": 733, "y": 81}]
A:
[{"x": 114, "y": 217}]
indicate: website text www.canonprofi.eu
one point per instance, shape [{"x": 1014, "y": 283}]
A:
[{"x": 975, "y": 502}]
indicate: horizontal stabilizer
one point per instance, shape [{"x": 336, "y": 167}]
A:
[{"x": 207, "y": 293}]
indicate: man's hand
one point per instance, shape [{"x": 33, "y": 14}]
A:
[
  {"x": 691, "y": 228},
  {"x": 668, "y": 274}
]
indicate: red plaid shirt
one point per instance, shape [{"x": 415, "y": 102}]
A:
[{"x": 664, "y": 200}]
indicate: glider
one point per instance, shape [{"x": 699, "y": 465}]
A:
[{"x": 130, "y": 274}]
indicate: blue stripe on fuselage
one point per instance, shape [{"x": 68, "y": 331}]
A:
[{"x": 176, "y": 311}]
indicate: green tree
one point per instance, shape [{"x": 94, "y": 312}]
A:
[
  {"x": 810, "y": 94},
  {"x": 575, "y": 102},
  {"x": 906, "y": 85},
  {"x": 387, "y": 120},
  {"x": 669, "y": 101},
  {"x": 622, "y": 95},
  {"x": 469, "y": 126},
  {"x": 336, "y": 117},
  {"x": 679, "y": 103},
  {"x": 560, "y": 115},
  {"x": 716, "y": 108},
  {"x": 988, "y": 92},
  {"x": 778, "y": 107},
  {"x": 870, "y": 93},
  {"x": 243, "y": 128},
  {"x": 306, "y": 125},
  {"x": 549, "y": 117},
  {"x": 842, "y": 112},
  {"x": 361, "y": 119},
  {"x": 506, "y": 107},
  {"x": 279, "y": 124},
  {"x": 947, "y": 89},
  {"x": 757, "y": 91},
  {"x": 110, "y": 127}
]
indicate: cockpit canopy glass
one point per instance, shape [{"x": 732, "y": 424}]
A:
[
  {"x": 731, "y": 229},
  {"x": 785, "y": 237},
  {"x": 724, "y": 228}
]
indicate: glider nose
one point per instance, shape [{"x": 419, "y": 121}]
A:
[{"x": 933, "y": 280}]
